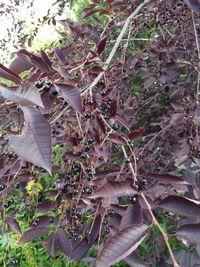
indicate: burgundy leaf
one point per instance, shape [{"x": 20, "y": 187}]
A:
[
  {"x": 20, "y": 64},
  {"x": 50, "y": 245},
  {"x": 13, "y": 225},
  {"x": 80, "y": 250},
  {"x": 72, "y": 95},
  {"x": 116, "y": 189},
  {"x": 117, "y": 139},
  {"x": 26, "y": 94},
  {"x": 113, "y": 109},
  {"x": 35, "y": 60},
  {"x": 88, "y": 12},
  {"x": 34, "y": 145},
  {"x": 102, "y": 45},
  {"x": 46, "y": 206},
  {"x": 9, "y": 74},
  {"x": 62, "y": 241},
  {"x": 48, "y": 100},
  {"x": 94, "y": 233},
  {"x": 43, "y": 221},
  {"x": 121, "y": 245},
  {"x": 181, "y": 206},
  {"x": 194, "y": 5},
  {"x": 60, "y": 55},
  {"x": 190, "y": 232},
  {"x": 32, "y": 234},
  {"x": 166, "y": 178},
  {"x": 136, "y": 134},
  {"x": 132, "y": 216},
  {"x": 45, "y": 58}
]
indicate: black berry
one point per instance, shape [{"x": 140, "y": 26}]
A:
[
  {"x": 133, "y": 199},
  {"x": 49, "y": 83},
  {"x": 54, "y": 92},
  {"x": 2, "y": 187},
  {"x": 87, "y": 190},
  {"x": 87, "y": 115},
  {"x": 90, "y": 101},
  {"x": 111, "y": 213},
  {"x": 46, "y": 88},
  {"x": 38, "y": 84},
  {"x": 51, "y": 220},
  {"x": 107, "y": 231},
  {"x": 115, "y": 126},
  {"x": 103, "y": 92}
]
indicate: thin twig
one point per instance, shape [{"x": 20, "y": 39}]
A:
[{"x": 165, "y": 237}]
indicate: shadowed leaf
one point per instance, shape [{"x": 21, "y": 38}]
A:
[
  {"x": 190, "y": 232},
  {"x": 102, "y": 45},
  {"x": 13, "y": 225},
  {"x": 181, "y": 206},
  {"x": 32, "y": 234},
  {"x": 50, "y": 245},
  {"x": 121, "y": 245},
  {"x": 47, "y": 205},
  {"x": 117, "y": 139},
  {"x": 63, "y": 242},
  {"x": 116, "y": 189},
  {"x": 136, "y": 134},
  {"x": 34, "y": 145},
  {"x": 26, "y": 94},
  {"x": 80, "y": 250},
  {"x": 72, "y": 95},
  {"x": 20, "y": 64},
  {"x": 9, "y": 74},
  {"x": 166, "y": 178},
  {"x": 132, "y": 216},
  {"x": 95, "y": 230}
]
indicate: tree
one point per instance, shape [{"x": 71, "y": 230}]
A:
[{"x": 120, "y": 101}]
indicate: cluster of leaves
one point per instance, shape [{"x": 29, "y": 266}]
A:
[{"x": 122, "y": 151}]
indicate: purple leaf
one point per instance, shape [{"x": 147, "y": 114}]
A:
[
  {"x": 113, "y": 109},
  {"x": 45, "y": 59},
  {"x": 34, "y": 145},
  {"x": 9, "y": 74},
  {"x": 80, "y": 250},
  {"x": 43, "y": 221},
  {"x": 50, "y": 245},
  {"x": 26, "y": 94},
  {"x": 121, "y": 245},
  {"x": 20, "y": 64},
  {"x": 102, "y": 45},
  {"x": 72, "y": 95},
  {"x": 181, "y": 206},
  {"x": 47, "y": 205},
  {"x": 13, "y": 225},
  {"x": 62, "y": 241},
  {"x": 132, "y": 216},
  {"x": 32, "y": 234},
  {"x": 117, "y": 139},
  {"x": 116, "y": 189},
  {"x": 194, "y": 5},
  {"x": 166, "y": 178},
  {"x": 190, "y": 232},
  {"x": 88, "y": 12},
  {"x": 95, "y": 230},
  {"x": 136, "y": 134}
]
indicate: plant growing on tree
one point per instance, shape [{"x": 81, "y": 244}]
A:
[{"x": 107, "y": 190}]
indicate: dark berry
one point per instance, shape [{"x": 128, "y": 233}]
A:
[
  {"x": 75, "y": 192},
  {"x": 46, "y": 87},
  {"x": 54, "y": 92},
  {"x": 101, "y": 83},
  {"x": 127, "y": 160},
  {"x": 133, "y": 199},
  {"x": 17, "y": 186},
  {"x": 37, "y": 220},
  {"x": 38, "y": 84},
  {"x": 89, "y": 141},
  {"x": 2, "y": 187},
  {"x": 14, "y": 262},
  {"x": 75, "y": 217},
  {"x": 87, "y": 148},
  {"x": 6, "y": 205},
  {"x": 87, "y": 115},
  {"x": 93, "y": 200},
  {"x": 35, "y": 224},
  {"x": 115, "y": 126},
  {"x": 11, "y": 201},
  {"x": 83, "y": 156},
  {"x": 54, "y": 209},
  {"x": 51, "y": 220},
  {"x": 105, "y": 222},
  {"x": 49, "y": 83},
  {"x": 142, "y": 184},
  {"x": 103, "y": 92},
  {"x": 54, "y": 186},
  {"x": 87, "y": 190},
  {"x": 107, "y": 231},
  {"x": 90, "y": 101},
  {"x": 111, "y": 213}
]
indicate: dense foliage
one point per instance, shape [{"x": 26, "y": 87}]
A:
[{"x": 99, "y": 146}]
